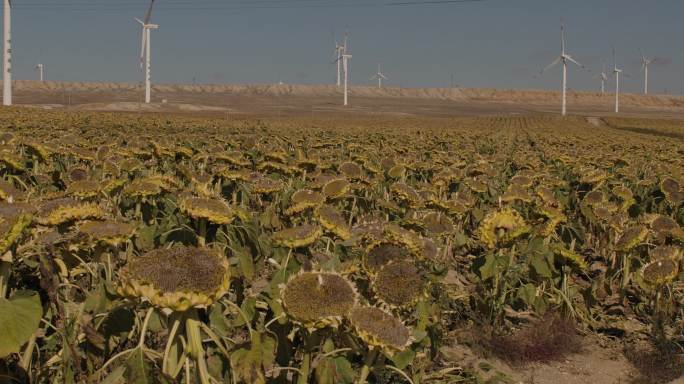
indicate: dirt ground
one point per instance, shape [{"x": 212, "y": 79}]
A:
[{"x": 317, "y": 101}]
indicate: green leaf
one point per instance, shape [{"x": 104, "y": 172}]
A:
[
  {"x": 245, "y": 263},
  {"x": 487, "y": 266},
  {"x": 116, "y": 376},
  {"x": 402, "y": 359},
  {"x": 137, "y": 370},
  {"x": 527, "y": 293},
  {"x": 249, "y": 309},
  {"x": 218, "y": 322},
  {"x": 19, "y": 320},
  {"x": 541, "y": 265}
]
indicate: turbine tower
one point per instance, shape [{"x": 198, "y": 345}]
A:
[
  {"x": 40, "y": 68},
  {"x": 564, "y": 58},
  {"x": 380, "y": 77},
  {"x": 339, "y": 51},
  {"x": 7, "y": 55},
  {"x": 345, "y": 67},
  {"x": 616, "y": 73},
  {"x": 645, "y": 62},
  {"x": 145, "y": 50}
]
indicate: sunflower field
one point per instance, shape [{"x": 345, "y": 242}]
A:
[{"x": 156, "y": 249}]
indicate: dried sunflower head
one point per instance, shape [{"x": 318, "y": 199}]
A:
[
  {"x": 318, "y": 299},
  {"x": 265, "y": 186},
  {"x": 437, "y": 223},
  {"x": 351, "y": 170},
  {"x": 12, "y": 161},
  {"x": 659, "y": 272},
  {"x": 594, "y": 198},
  {"x": 213, "y": 210},
  {"x": 665, "y": 252},
  {"x": 176, "y": 278},
  {"x": 297, "y": 237},
  {"x": 501, "y": 227},
  {"x": 66, "y": 210},
  {"x": 14, "y": 220},
  {"x": 409, "y": 239},
  {"x": 333, "y": 221},
  {"x": 631, "y": 237},
  {"x": 381, "y": 253},
  {"x": 406, "y": 194},
  {"x": 303, "y": 200},
  {"x": 83, "y": 189},
  {"x": 336, "y": 188},
  {"x": 399, "y": 284},
  {"x": 380, "y": 329},
  {"x": 142, "y": 189},
  {"x": 107, "y": 232}
]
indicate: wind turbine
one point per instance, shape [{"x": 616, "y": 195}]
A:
[
  {"x": 339, "y": 51},
  {"x": 380, "y": 77},
  {"x": 344, "y": 58},
  {"x": 645, "y": 62},
  {"x": 604, "y": 77},
  {"x": 616, "y": 73},
  {"x": 40, "y": 68},
  {"x": 564, "y": 58},
  {"x": 145, "y": 50},
  {"x": 7, "y": 55}
]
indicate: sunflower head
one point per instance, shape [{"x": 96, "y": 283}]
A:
[
  {"x": 659, "y": 272},
  {"x": 437, "y": 223},
  {"x": 83, "y": 189},
  {"x": 65, "y": 210},
  {"x": 176, "y": 278},
  {"x": 399, "y": 284},
  {"x": 333, "y": 221},
  {"x": 501, "y": 227},
  {"x": 631, "y": 237},
  {"x": 351, "y": 170},
  {"x": 594, "y": 198},
  {"x": 406, "y": 194},
  {"x": 142, "y": 189},
  {"x": 266, "y": 186},
  {"x": 108, "y": 232},
  {"x": 296, "y": 237},
  {"x": 14, "y": 220},
  {"x": 381, "y": 253},
  {"x": 213, "y": 210},
  {"x": 318, "y": 299},
  {"x": 303, "y": 200},
  {"x": 378, "y": 328},
  {"x": 336, "y": 188},
  {"x": 666, "y": 252},
  {"x": 407, "y": 238}
]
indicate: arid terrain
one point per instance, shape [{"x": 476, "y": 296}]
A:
[{"x": 298, "y": 100}]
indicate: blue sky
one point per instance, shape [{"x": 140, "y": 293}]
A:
[{"x": 493, "y": 43}]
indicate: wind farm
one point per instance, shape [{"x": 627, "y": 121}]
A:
[{"x": 247, "y": 202}]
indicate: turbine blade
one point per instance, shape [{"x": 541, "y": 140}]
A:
[
  {"x": 569, "y": 58},
  {"x": 148, "y": 16},
  {"x": 555, "y": 62}
]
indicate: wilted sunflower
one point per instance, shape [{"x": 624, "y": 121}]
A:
[
  {"x": 437, "y": 223},
  {"x": 336, "y": 188},
  {"x": 14, "y": 220},
  {"x": 65, "y": 210},
  {"x": 351, "y": 170},
  {"x": 516, "y": 192},
  {"x": 12, "y": 161},
  {"x": 108, "y": 232},
  {"x": 631, "y": 238},
  {"x": 83, "y": 189},
  {"x": 625, "y": 195},
  {"x": 399, "y": 284},
  {"x": 77, "y": 173},
  {"x": 672, "y": 190},
  {"x": 659, "y": 272},
  {"x": 333, "y": 221},
  {"x": 142, "y": 189},
  {"x": 409, "y": 239},
  {"x": 665, "y": 252},
  {"x": 396, "y": 172},
  {"x": 303, "y": 200},
  {"x": 176, "y": 278},
  {"x": 213, "y": 210},
  {"x": 380, "y": 329},
  {"x": 318, "y": 299},
  {"x": 265, "y": 186},
  {"x": 501, "y": 227},
  {"x": 594, "y": 198},
  {"x": 406, "y": 194},
  {"x": 297, "y": 237}
]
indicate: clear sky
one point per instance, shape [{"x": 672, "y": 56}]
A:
[{"x": 492, "y": 43}]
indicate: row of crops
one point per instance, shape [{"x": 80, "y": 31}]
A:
[{"x": 146, "y": 249}]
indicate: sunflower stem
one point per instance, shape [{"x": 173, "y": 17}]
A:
[
  {"x": 202, "y": 237},
  {"x": 166, "y": 368},
  {"x": 371, "y": 355}
]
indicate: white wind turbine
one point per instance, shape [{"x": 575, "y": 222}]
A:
[
  {"x": 645, "y": 62},
  {"x": 380, "y": 77},
  {"x": 145, "y": 50},
  {"x": 344, "y": 58},
  {"x": 7, "y": 55},
  {"x": 604, "y": 77},
  {"x": 616, "y": 73},
  {"x": 564, "y": 58},
  {"x": 40, "y": 68},
  {"x": 339, "y": 51}
]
